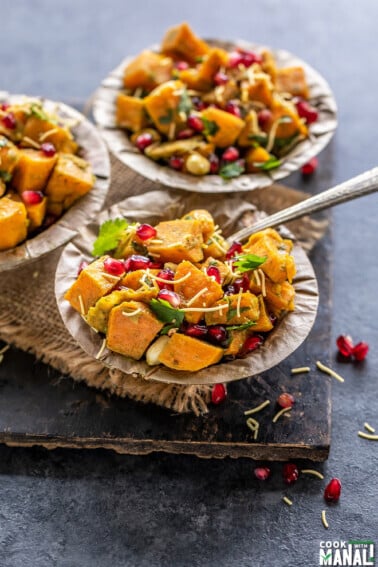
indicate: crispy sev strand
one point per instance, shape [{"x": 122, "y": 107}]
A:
[
  {"x": 367, "y": 436},
  {"x": 45, "y": 135},
  {"x": 254, "y": 426},
  {"x": 300, "y": 369},
  {"x": 4, "y": 349},
  {"x": 281, "y": 412},
  {"x": 81, "y": 303},
  {"x": 101, "y": 351},
  {"x": 324, "y": 520},
  {"x": 287, "y": 501},
  {"x": 195, "y": 297},
  {"x": 131, "y": 313},
  {"x": 329, "y": 371},
  {"x": 31, "y": 142},
  {"x": 208, "y": 309},
  {"x": 366, "y": 425},
  {"x": 263, "y": 286},
  {"x": 312, "y": 472},
  {"x": 257, "y": 408}
]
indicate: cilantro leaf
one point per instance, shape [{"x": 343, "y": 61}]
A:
[
  {"x": 37, "y": 111},
  {"x": 241, "y": 327},
  {"x": 232, "y": 312},
  {"x": 185, "y": 103},
  {"x": 165, "y": 312},
  {"x": 230, "y": 170},
  {"x": 167, "y": 118},
  {"x": 210, "y": 127},
  {"x": 5, "y": 176},
  {"x": 247, "y": 262},
  {"x": 259, "y": 139},
  {"x": 165, "y": 330},
  {"x": 109, "y": 236},
  {"x": 271, "y": 163}
]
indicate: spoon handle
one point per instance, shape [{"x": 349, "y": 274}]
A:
[{"x": 359, "y": 186}]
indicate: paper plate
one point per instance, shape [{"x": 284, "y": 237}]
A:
[
  {"x": 321, "y": 132},
  {"x": 230, "y": 213},
  {"x": 93, "y": 150}
]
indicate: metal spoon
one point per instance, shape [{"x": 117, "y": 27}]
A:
[{"x": 359, "y": 186}]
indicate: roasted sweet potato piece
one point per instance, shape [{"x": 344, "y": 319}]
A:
[
  {"x": 43, "y": 130},
  {"x": 180, "y": 42},
  {"x": 250, "y": 130},
  {"x": 215, "y": 246},
  {"x": 289, "y": 121},
  {"x": 292, "y": 80},
  {"x": 33, "y": 170},
  {"x": 161, "y": 104},
  {"x": 130, "y": 112},
  {"x": 13, "y": 223},
  {"x": 92, "y": 283},
  {"x": 279, "y": 296},
  {"x": 131, "y": 328},
  {"x": 9, "y": 156},
  {"x": 254, "y": 157},
  {"x": 225, "y": 126},
  {"x": 268, "y": 64},
  {"x": 261, "y": 89},
  {"x": 147, "y": 71},
  {"x": 249, "y": 310},
  {"x": 134, "y": 280},
  {"x": 201, "y": 77},
  {"x": 263, "y": 323},
  {"x": 279, "y": 265},
  {"x": 98, "y": 315},
  {"x": 237, "y": 340},
  {"x": 185, "y": 353},
  {"x": 19, "y": 114},
  {"x": 205, "y": 219},
  {"x": 223, "y": 269},
  {"x": 198, "y": 284},
  {"x": 36, "y": 214},
  {"x": 177, "y": 240}
]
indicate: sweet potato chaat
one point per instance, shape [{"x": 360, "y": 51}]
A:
[
  {"x": 40, "y": 174},
  {"x": 178, "y": 294},
  {"x": 203, "y": 110}
]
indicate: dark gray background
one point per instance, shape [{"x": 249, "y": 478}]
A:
[{"x": 78, "y": 509}]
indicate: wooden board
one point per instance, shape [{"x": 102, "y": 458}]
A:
[{"x": 39, "y": 406}]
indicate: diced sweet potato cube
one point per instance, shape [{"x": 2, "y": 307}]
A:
[
  {"x": 161, "y": 104},
  {"x": 130, "y": 112},
  {"x": 9, "y": 156},
  {"x": 201, "y": 77},
  {"x": 180, "y": 42},
  {"x": 268, "y": 64},
  {"x": 33, "y": 170},
  {"x": 20, "y": 114},
  {"x": 205, "y": 219},
  {"x": 279, "y": 265},
  {"x": 92, "y": 283},
  {"x": 177, "y": 240},
  {"x": 36, "y": 214},
  {"x": 198, "y": 282},
  {"x": 254, "y": 157},
  {"x": 279, "y": 296},
  {"x": 227, "y": 127},
  {"x": 98, "y": 315},
  {"x": 133, "y": 279},
  {"x": 223, "y": 269},
  {"x": 13, "y": 223},
  {"x": 215, "y": 246},
  {"x": 42, "y": 131},
  {"x": 185, "y": 353},
  {"x": 290, "y": 123},
  {"x": 249, "y": 310},
  {"x": 147, "y": 71},
  {"x": 71, "y": 179},
  {"x": 292, "y": 80},
  {"x": 263, "y": 323},
  {"x": 236, "y": 343},
  {"x": 131, "y": 328},
  {"x": 261, "y": 90}
]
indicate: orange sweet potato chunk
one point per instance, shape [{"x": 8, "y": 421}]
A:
[
  {"x": 133, "y": 279},
  {"x": 279, "y": 296},
  {"x": 42, "y": 131},
  {"x": 291, "y": 125},
  {"x": 205, "y": 219},
  {"x": 201, "y": 77},
  {"x": 92, "y": 283},
  {"x": 13, "y": 223},
  {"x": 32, "y": 170},
  {"x": 236, "y": 343},
  {"x": 130, "y": 335},
  {"x": 130, "y": 112},
  {"x": 9, "y": 155},
  {"x": 177, "y": 240},
  {"x": 279, "y": 264},
  {"x": 292, "y": 80},
  {"x": 254, "y": 157},
  {"x": 36, "y": 214},
  {"x": 229, "y": 126},
  {"x": 181, "y": 42},
  {"x": 263, "y": 323},
  {"x": 147, "y": 71},
  {"x": 185, "y": 353},
  {"x": 161, "y": 104},
  {"x": 249, "y": 310},
  {"x": 261, "y": 90},
  {"x": 71, "y": 179}
]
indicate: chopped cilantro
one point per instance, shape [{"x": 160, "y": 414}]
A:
[
  {"x": 210, "y": 127},
  {"x": 232, "y": 312},
  {"x": 166, "y": 313},
  {"x": 5, "y": 176},
  {"x": 241, "y": 327},
  {"x": 259, "y": 139},
  {"x": 246, "y": 262},
  {"x": 165, "y": 330},
  {"x": 271, "y": 163},
  {"x": 37, "y": 111},
  {"x": 185, "y": 103},
  {"x": 167, "y": 118},
  {"x": 109, "y": 236},
  {"x": 230, "y": 170}
]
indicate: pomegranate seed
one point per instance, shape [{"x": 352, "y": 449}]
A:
[
  {"x": 4, "y": 106},
  {"x": 136, "y": 262},
  {"x": 231, "y": 154},
  {"x": 170, "y": 296},
  {"x": 213, "y": 272},
  {"x": 167, "y": 275},
  {"x": 360, "y": 351},
  {"x": 251, "y": 344},
  {"x": 32, "y": 197},
  {"x": 264, "y": 117},
  {"x": 233, "y": 108},
  {"x": 143, "y": 141},
  {"x": 146, "y": 231},
  {"x": 249, "y": 58},
  {"x": 345, "y": 345},
  {"x": 176, "y": 162},
  {"x": 198, "y": 103},
  {"x": 220, "y": 78},
  {"x": 230, "y": 290},
  {"x": 182, "y": 65},
  {"x": 155, "y": 265},
  {"x": 214, "y": 163},
  {"x": 196, "y": 330},
  {"x": 262, "y": 473},
  {"x": 195, "y": 123},
  {"x": 218, "y": 393},
  {"x": 48, "y": 149},
  {"x": 9, "y": 121},
  {"x": 290, "y": 473},
  {"x": 241, "y": 283},
  {"x": 217, "y": 334},
  {"x": 235, "y": 59},
  {"x": 83, "y": 264},
  {"x": 114, "y": 267},
  {"x": 310, "y": 167},
  {"x": 285, "y": 400},
  {"x": 185, "y": 134},
  {"x": 235, "y": 248},
  {"x": 306, "y": 111},
  {"x": 332, "y": 490}
]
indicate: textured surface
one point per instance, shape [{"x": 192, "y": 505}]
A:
[{"x": 94, "y": 509}]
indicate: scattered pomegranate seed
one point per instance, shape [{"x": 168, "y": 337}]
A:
[
  {"x": 182, "y": 65},
  {"x": 114, "y": 267},
  {"x": 48, "y": 149},
  {"x": 143, "y": 141},
  {"x": 220, "y": 78},
  {"x": 185, "y": 134},
  {"x": 345, "y": 345},
  {"x": 136, "y": 262},
  {"x": 264, "y": 117},
  {"x": 195, "y": 123},
  {"x": 251, "y": 344},
  {"x": 173, "y": 298},
  {"x": 198, "y": 103},
  {"x": 241, "y": 283},
  {"x": 4, "y": 106},
  {"x": 249, "y": 57},
  {"x": 262, "y": 473},
  {"x": 146, "y": 231},
  {"x": 360, "y": 351},
  {"x": 290, "y": 473},
  {"x": 310, "y": 167},
  {"x": 167, "y": 275},
  {"x": 332, "y": 490},
  {"x": 285, "y": 400},
  {"x": 235, "y": 248},
  {"x": 83, "y": 264},
  {"x": 176, "y": 162},
  {"x": 218, "y": 393},
  {"x": 214, "y": 163},
  {"x": 217, "y": 334},
  {"x": 196, "y": 330},
  {"x": 32, "y": 197},
  {"x": 235, "y": 58},
  {"x": 306, "y": 111},
  {"x": 213, "y": 272},
  {"x": 231, "y": 154},
  {"x": 9, "y": 121},
  {"x": 233, "y": 108}
]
